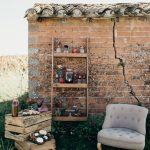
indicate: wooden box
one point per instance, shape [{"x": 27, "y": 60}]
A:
[
  {"x": 26, "y": 145},
  {"x": 19, "y": 128}
]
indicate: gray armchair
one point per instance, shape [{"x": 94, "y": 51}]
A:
[{"x": 124, "y": 127}]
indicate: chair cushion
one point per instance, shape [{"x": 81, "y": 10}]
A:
[
  {"x": 126, "y": 116},
  {"x": 121, "y": 138}
]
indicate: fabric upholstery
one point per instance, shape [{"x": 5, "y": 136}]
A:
[
  {"x": 122, "y": 138},
  {"x": 126, "y": 116}
]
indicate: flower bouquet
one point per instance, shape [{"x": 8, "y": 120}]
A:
[{"x": 60, "y": 73}]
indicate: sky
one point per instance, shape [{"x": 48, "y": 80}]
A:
[{"x": 14, "y": 27}]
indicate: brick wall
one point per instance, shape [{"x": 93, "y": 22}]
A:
[{"x": 119, "y": 66}]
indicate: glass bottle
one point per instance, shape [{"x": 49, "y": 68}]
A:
[
  {"x": 15, "y": 107},
  {"x": 66, "y": 49},
  {"x": 79, "y": 78},
  {"x": 75, "y": 77},
  {"x": 83, "y": 78}
]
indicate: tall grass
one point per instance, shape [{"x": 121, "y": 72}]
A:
[{"x": 6, "y": 144}]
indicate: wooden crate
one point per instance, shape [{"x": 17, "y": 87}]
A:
[
  {"x": 19, "y": 128},
  {"x": 26, "y": 145}
]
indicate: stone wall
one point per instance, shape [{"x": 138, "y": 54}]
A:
[{"x": 119, "y": 60}]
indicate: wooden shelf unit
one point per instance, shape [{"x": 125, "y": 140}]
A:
[
  {"x": 68, "y": 118},
  {"x": 70, "y": 85}
]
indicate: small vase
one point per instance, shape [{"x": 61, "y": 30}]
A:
[
  {"x": 74, "y": 50},
  {"x": 58, "y": 50},
  {"x": 82, "y": 50},
  {"x": 61, "y": 80}
]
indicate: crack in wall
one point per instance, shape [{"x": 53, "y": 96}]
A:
[{"x": 122, "y": 64}]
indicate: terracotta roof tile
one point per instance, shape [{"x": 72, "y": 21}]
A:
[{"x": 88, "y": 10}]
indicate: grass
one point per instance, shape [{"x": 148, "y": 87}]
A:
[{"x": 6, "y": 144}]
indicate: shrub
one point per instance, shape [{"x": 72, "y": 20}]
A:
[
  {"x": 77, "y": 135},
  {"x": 22, "y": 103},
  {"x": 5, "y": 108},
  {"x": 147, "y": 146},
  {"x": 83, "y": 135}
]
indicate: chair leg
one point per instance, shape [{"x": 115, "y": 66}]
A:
[{"x": 99, "y": 146}]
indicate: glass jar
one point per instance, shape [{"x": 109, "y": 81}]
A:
[
  {"x": 66, "y": 49},
  {"x": 82, "y": 50},
  {"x": 69, "y": 76},
  {"x": 58, "y": 49}
]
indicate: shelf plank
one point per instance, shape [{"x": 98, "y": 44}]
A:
[
  {"x": 70, "y": 85},
  {"x": 69, "y": 55},
  {"x": 68, "y": 118}
]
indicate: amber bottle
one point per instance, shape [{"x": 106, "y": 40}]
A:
[{"x": 15, "y": 107}]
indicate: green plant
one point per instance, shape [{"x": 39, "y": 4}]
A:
[
  {"x": 148, "y": 126},
  {"x": 147, "y": 145},
  {"x": 59, "y": 70},
  {"x": 6, "y": 144},
  {"x": 121, "y": 64},
  {"x": 5, "y": 108},
  {"x": 77, "y": 135},
  {"x": 22, "y": 99}
]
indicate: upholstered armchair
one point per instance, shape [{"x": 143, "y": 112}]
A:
[{"x": 124, "y": 127}]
